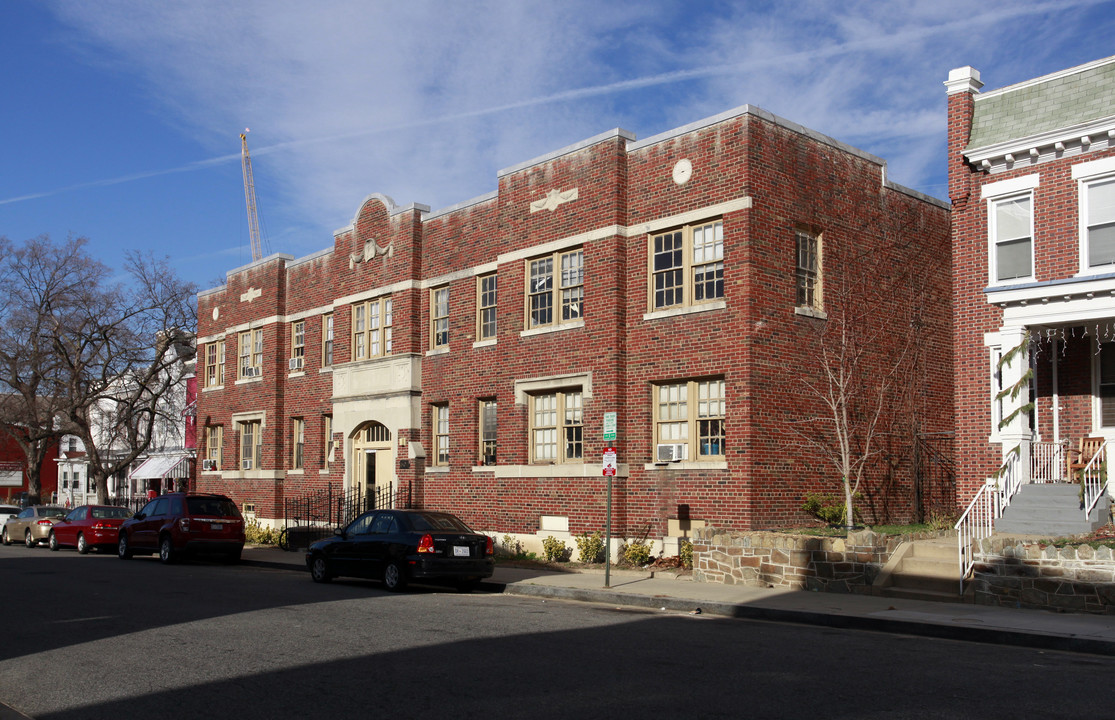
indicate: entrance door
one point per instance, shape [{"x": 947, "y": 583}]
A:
[{"x": 373, "y": 471}]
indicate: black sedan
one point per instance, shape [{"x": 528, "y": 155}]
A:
[{"x": 398, "y": 546}]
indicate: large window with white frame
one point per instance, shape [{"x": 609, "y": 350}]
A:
[
  {"x": 214, "y": 445},
  {"x": 1011, "y": 224},
  {"x": 297, "y": 442},
  {"x": 297, "y": 345},
  {"x": 808, "y": 272},
  {"x": 557, "y": 427},
  {"x": 555, "y": 289},
  {"x": 1098, "y": 219},
  {"x": 690, "y": 420},
  {"x": 371, "y": 329},
  {"x": 327, "y": 340},
  {"x": 251, "y": 444},
  {"x": 488, "y": 431},
  {"x": 251, "y": 354},
  {"x": 687, "y": 266}
]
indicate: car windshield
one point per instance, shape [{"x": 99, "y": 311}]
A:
[
  {"x": 51, "y": 512},
  {"x": 425, "y": 522},
  {"x": 106, "y": 513},
  {"x": 216, "y": 507}
]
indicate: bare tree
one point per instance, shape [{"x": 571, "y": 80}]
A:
[
  {"x": 84, "y": 356},
  {"x": 864, "y": 368},
  {"x": 44, "y": 287}
]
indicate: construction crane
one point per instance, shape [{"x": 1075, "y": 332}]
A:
[{"x": 250, "y": 196}]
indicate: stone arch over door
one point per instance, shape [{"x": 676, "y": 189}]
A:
[{"x": 372, "y": 466}]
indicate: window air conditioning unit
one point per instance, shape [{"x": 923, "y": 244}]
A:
[
  {"x": 671, "y": 452},
  {"x": 296, "y": 363},
  {"x": 208, "y": 464},
  {"x": 251, "y": 371},
  {"x": 245, "y": 464}
]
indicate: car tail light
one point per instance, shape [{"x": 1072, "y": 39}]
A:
[
  {"x": 102, "y": 526},
  {"x": 426, "y": 544},
  {"x": 45, "y": 522},
  {"x": 489, "y": 547},
  {"x": 184, "y": 524}
]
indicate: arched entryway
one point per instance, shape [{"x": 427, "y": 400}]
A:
[{"x": 373, "y": 463}]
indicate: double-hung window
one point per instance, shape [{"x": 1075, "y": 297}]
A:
[
  {"x": 215, "y": 364},
  {"x": 1010, "y": 228},
  {"x": 689, "y": 420},
  {"x": 440, "y": 422},
  {"x": 251, "y": 445},
  {"x": 251, "y": 354},
  {"x": 327, "y": 340},
  {"x": 807, "y": 273},
  {"x": 1096, "y": 180},
  {"x": 214, "y": 444},
  {"x": 555, "y": 288},
  {"x": 687, "y": 266},
  {"x": 298, "y": 442},
  {"x": 488, "y": 426},
  {"x": 439, "y": 317},
  {"x": 371, "y": 329},
  {"x": 297, "y": 345},
  {"x": 486, "y": 307},
  {"x": 556, "y": 427},
  {"x": 327, "y": 448}
]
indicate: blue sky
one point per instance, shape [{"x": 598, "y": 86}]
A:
[{"x": 121, "y": 118}]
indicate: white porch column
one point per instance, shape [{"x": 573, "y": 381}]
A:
[{"x": 1016, "y": 433}]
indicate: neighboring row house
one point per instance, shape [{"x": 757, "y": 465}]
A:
[
  {"x": 469, "y": 359},
  {"x": 1032, "y": 182}
]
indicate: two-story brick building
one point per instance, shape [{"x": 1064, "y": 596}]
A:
[
  {"x": 692, "y": 283},
  {"x": 1032, "y": 182}
]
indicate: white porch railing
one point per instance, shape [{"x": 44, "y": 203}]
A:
[
  {"x": 1047, "y": 462},
  {"x": 1094, "y": 479},
  {"x": 978, "y": 521}
]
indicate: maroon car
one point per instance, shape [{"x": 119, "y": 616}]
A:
[
  {"x": 179, "y": 524},
  {"x": 88, "y": 526}
]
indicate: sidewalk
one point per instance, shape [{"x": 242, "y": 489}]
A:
[{"x": 955, "y": 621}]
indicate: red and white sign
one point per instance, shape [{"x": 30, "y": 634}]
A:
[{"x": 609, "y": 462}]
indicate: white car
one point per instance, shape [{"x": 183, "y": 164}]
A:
[{"x": 8, "y": 511}]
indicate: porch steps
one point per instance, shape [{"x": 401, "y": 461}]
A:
[
  {"x": 1052, "y": 510},
  {"x": 921, "y": 570}
]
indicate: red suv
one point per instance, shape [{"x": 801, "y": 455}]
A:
[{"x": 180, "y": 524}]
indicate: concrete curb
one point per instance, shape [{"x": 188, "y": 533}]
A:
[{"x": 803, "y": 617}]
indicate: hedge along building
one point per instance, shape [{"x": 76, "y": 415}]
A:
[
  {"x": 687, "y": 282},
  {"x": 1032, "y": 182}
]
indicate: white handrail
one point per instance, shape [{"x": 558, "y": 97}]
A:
[
  {"x": 978, "y": 521},
  {"x": 1094, "y": 479}
]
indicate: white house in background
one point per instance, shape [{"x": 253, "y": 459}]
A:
[{"x": 74, "y": 485}]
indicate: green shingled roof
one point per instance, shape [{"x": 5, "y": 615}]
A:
[{"x": 1044, "y": 106}]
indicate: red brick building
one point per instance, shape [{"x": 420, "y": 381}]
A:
[
  {"x": 1032, "y": 182},
  {"x": 686, "y": 282}
]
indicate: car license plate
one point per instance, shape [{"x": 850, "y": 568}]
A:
[
  {"x": 460, "y": 551},
  {"x": 217, "y": 527}
]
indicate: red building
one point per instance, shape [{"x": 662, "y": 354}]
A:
[
  {"x": 472, "y": 357},
  {"x": 13, "y": 471},
  {"x": 1032, "y": 183}
]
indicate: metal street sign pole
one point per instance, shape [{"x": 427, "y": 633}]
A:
[{"x": 610, "y": 464}]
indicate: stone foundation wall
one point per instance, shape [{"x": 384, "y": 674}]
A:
[
  {"x": 804, "y": 562},
  {"x": 1011, "y": 573}
]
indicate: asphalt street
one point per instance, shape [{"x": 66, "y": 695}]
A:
[{"x": 94, "y": 637}]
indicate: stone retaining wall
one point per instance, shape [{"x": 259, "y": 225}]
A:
[
  {"x": 805, "y": 562},
  {"x": 1012, "y": 573}
]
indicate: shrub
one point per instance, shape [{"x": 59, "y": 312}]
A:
[
  {"x": 829, "y": 508},
  {"x": 940, "y": 520},
  {"x": 590, "y": 547},
  {"x": 256, "y": 534},
  {"x": 555, "y": 549},
  {"x": 685, "y": 553},
  {"x": 636, "y": 552}
]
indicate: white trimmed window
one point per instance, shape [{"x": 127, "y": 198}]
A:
[
  {"x": 1098, "y": 213},
  {"x": 557, "y": 427},
  {"x": 371, "y": 329},
  {"x": 328, "y": 446},
  {"x": 440, "y": 421},
  {"x": 690, "y": 418},
  {"x": 439, "y": 317},
  {"x": 215, "y": 364},
  {"x": 687, "y": 266},
  {"x": 251, "y": 445},
  {"x": 555, "y": 289},
  {"x": 297, "y": 344},
  {"x": 1012, "y": 238},
  {"x": 251, "y": 354},
  {"x": 486, "y": 307}
]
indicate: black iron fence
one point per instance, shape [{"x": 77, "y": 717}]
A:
[
  {"x": 934, "y": 475},
  {"x": 315, "y": 516}
]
